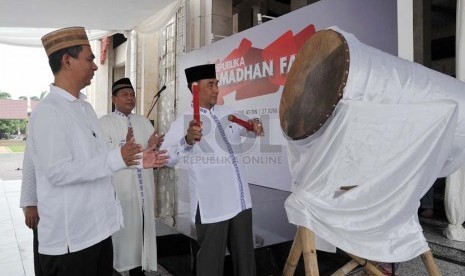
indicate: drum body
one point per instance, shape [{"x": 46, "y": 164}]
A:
[{"x": 334, "y": 64}]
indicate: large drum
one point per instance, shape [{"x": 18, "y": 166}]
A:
[
  {"x": 333, "y": 65},
  {"x": 315, "y": 84},
  {"x": 356, "y": 116}
]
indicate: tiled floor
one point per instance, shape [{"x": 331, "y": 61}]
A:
[
  {"x": 16, "y": 255},
  {"x": 16, "y": 258}
]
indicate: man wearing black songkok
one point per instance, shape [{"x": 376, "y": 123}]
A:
[{"x": 220, "y": 198}]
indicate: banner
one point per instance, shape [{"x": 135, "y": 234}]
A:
[{"x": 252, "y": 68}]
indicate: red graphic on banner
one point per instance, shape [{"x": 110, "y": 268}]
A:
[{"x": 253, "y": 72}]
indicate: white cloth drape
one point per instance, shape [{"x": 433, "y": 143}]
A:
[
  {"x": 454, "y": 201},
  {"x": 393, "y": 153},
  {"x": 455, "y": 205},
  {"x": 378, "y": 77},
  {"x": 30, "y": 37},
  {"x": 397, "y": 129},
  {"x": 157, "y": 21}
]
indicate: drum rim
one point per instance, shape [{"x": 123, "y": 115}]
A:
[{"x": 339, "y": 91}]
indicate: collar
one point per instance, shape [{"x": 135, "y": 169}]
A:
[
  {"x": 119, "y": 113},
  {"x": 204, "y": 110},
  {"x": 65, "y": 94}
]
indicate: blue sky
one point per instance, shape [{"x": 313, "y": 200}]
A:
[{"x": 24, "y": 71}]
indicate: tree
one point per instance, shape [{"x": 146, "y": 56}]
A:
[
  {"x": 5, "y": 95},
  {"x": 35, "y": 98},
  {"x": 24, "y": 98},
  {"x": 11, "y": 127}
]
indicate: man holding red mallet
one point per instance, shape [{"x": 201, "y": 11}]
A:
[{"x": 209, "y": 144}]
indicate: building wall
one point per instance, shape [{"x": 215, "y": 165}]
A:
[
  {"x": 197, "y": 24},
  {"x": 98, "y": 91},
  {"x": 148, "y": 64},
  {"x": 169, "y": 48}
]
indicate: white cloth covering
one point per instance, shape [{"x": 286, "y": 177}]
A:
[
  {"x": 129, "y": 251},
  {"x": 73, "y": 168},
  {"x": 393, "y": 153},
  {"x": 216, "y": 175},
  {"x": 454, "y": 201},
  {"x": 396, "y": 130},
  {"x": 454, "y": 204},
  {"x": 378, "y": 77},
  {"x": 144, "y": 16}
]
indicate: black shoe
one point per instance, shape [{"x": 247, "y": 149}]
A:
[{"x": 137, "y": 271}]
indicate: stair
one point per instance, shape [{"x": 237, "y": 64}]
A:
[{"x": 443, "y": 248}]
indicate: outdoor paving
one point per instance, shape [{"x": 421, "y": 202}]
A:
[
  {"x": 10, "y": 165},
  {"x": 16, "y": 257},
  {"x": 4, "y": 149},
  {"x": 15, "y": 238},
  {"x": 16, "y": 254}
]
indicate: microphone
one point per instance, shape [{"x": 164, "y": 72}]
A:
[
  {"x": 241, "y": 122},
  {"x": 161, "y": 90},
  {"x": 157, "y": 96}
]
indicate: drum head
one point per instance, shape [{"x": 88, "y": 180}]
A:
[{"x": 314, "y": 84}]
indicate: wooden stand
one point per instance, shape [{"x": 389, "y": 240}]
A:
[{"x": 304, "y": 243}]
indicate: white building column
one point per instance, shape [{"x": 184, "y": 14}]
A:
[
  {"x": 148, "y": 64},
  {"x": 209, "y": 21},
  {"x": 220, "y": 18},
  {"x": 196, "y": 25},
  {"x": 405, "y": 29},
  {"x": 460, "y": 41}
]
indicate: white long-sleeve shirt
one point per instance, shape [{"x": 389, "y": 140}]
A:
[
  {"x": 216, "y": 174},
  {"x": 28, "y": 183},
  {"x": 73, "y": 168}
]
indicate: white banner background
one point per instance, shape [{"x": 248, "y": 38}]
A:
[{"x": 372, "y": 22}]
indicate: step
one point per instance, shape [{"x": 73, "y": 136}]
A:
[{"x": 441, "y": 247}]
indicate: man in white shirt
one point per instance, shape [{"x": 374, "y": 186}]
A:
[
  {"x": 73, "y": 167},
  {"x": 220, "y": 196},
  {"x": 134, "y": 246}
]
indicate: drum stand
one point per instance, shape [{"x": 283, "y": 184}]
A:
[{"x": 304, "y": 243}]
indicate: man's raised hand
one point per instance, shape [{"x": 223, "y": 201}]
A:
[
  {"x": 194, "y": 133},
  {"x": 153, "y": 158},
  {"x": 130, "y": 134},
  {"x": 130, "y": 152},
  {"x": 156, "y": 140}
]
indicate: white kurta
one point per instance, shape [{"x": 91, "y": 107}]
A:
[
  {"x": 129, "y": 251},
  {"x": 216, "y": 173}
]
